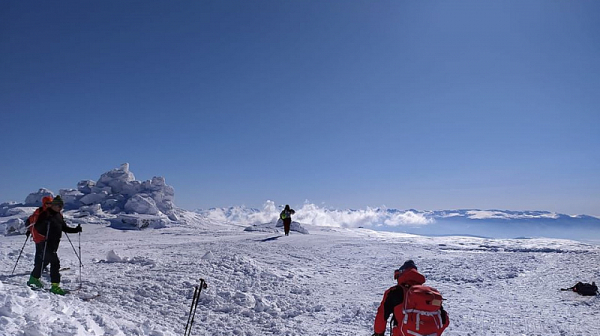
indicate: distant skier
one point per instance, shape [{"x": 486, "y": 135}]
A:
[
  {"x": 286, "y": 217},
  {"x": 417, "y": 309},
  {"x": 52, "y": 225}
]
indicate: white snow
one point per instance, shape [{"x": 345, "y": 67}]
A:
[{"x": 327, "y": 282}]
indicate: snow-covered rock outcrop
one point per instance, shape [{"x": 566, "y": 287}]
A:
[
  {"x": 116, "y": 197},
  {"x": 118, "y": 191},
  {"x": 35, "y": 199}
]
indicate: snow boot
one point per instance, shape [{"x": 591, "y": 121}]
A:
[
  {"x": 56, "y": 289},
  {"x": 34, "y": 282}
]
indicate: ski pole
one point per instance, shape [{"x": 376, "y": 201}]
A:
[
  {"x": 197, "y": 291},
  {"x": 79, "y": 259},
  {"x": 200, "y": 287},
  {"x": 194, "y": 299},
  {"x": 80, "y": 264},
  {"x": 22, "y": 248},
  {"x": 45, "y": 244}
]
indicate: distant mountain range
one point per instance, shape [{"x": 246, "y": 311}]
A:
[
  {"x": 468, "y": 222},
  {"x": 506, "y": 224}
]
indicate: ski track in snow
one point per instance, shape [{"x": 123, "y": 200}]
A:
[{"x": 329, "y": 282}]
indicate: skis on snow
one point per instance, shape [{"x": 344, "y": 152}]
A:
[{"x": 197, "y": 291}]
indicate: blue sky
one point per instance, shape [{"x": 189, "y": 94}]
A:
[{"x": 407, "y": 104}]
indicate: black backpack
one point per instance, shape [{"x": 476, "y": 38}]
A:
[{"x": 586, "y": 289}]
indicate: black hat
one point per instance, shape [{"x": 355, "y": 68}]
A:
[
  {"x": 58, "y": 201},
  {"x": 409, "y": 264}
]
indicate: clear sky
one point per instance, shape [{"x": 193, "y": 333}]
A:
[{"x": 407, "y": 104}]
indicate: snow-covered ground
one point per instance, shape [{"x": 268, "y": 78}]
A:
[{"x": 327, "y": 282}]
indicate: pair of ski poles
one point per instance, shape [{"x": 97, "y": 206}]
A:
[
  {"x": 44, "y": 255},
  {"x": 190, "y": 321}
]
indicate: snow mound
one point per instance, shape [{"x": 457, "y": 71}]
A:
[
  {"x": 113, "y": 257},
  {"x": 272, "y": 227},
  {"x": 265, "y": 227},
  {"x": 128, "y": 222},
  {"x": 295, "y": 226}
]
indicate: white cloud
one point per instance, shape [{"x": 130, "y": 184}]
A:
[{"x": 315, "y": 215}]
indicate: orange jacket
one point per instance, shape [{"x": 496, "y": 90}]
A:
[{"x": 37, "y": 237}]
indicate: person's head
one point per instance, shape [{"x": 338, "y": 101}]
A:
[
  {"x": 408, "y": 265},
  {"x": 57, "y": 204},
  {"x": 46, "y": 201},
  {"x": 287, "y": 207}
]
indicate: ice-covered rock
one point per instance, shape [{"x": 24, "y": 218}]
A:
[
  {"x": 13, "y": 226},
  {"x": 86, "y": 186},
  {"x": 137, "y": 221},
  {"x": 119, "y": 191},
  {"x": 141, "y": 204},
  {"x": 71, "y": 197},
  {"x": 4, "y": 207},
  {"x": 115, "y": 193},
  {"x": 111, "y": 203},
  {"x": 90, "y": 199},
  {"x": 97, "y": 190},
  {"x": 35, "y": 199},
  {"x": 90, "y": 210},
  {"x": 20, "y": 211},
  {"x": 132, "y": 188},
  {"x": 116, "y": 179}
]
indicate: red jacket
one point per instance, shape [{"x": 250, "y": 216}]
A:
[
  {"x": 394, "y": 297},
  {"x": 37, "y": 237}
]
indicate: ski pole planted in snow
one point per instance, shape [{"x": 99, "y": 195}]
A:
[
  {"x": 195, "y": 299},
  {"x": 80, "y": 264},
  {"x": 14, "y": 268},
  {"x": 80, "y": 259}
]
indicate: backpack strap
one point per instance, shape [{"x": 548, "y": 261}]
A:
[
  {"x": 438, "y": 314},
  {"x": 417, "y": 334}
]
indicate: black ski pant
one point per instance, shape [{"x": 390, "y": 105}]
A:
[
  {"x": 51, "y": 258},
  {"x": 287, "y": 222}
]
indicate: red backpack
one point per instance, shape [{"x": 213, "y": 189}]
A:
[{"x": 420, "y": 314}]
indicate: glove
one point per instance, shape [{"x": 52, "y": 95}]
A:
[
  {"x": 79, "y": 229},
  {"x": 28, "y": 233}
]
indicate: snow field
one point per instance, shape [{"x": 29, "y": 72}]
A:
[{"x": 329, "y": 282}]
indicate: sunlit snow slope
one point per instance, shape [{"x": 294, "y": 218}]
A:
[{"x": 327, "y": 282}]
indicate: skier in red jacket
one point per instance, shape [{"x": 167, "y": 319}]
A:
[
  {"x": 393, "y": 302},
  {"x": 52, "y": 224}
]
